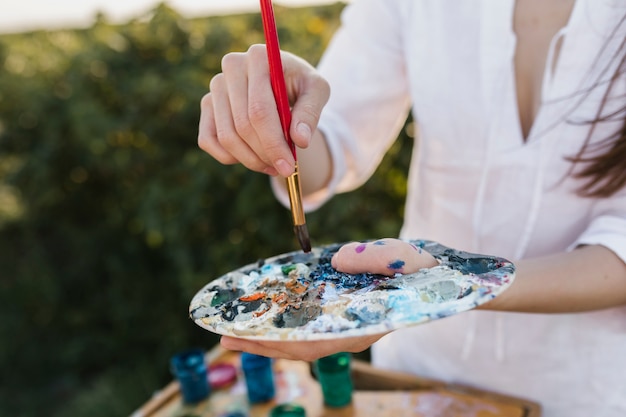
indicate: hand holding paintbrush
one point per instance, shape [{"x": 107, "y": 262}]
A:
[{"x": 238, "y": 123}]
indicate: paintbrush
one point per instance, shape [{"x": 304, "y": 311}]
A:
[{"x": 282, "y": 103}]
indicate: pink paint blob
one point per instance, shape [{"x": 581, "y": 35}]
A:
[{"x": 360, "y": 248}]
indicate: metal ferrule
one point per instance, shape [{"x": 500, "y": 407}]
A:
[{"x": 295, "y": 198}]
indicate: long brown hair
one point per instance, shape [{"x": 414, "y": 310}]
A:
[{"x": 604, "y": 171}]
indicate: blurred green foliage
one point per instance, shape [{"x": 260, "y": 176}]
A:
[{"x": 111, "y": 218}]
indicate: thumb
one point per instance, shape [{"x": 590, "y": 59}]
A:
[{"x": 306, "y": 111}]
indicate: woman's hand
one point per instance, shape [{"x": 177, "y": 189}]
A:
[
  {"x": 305, "y": 351},
  {"x": 239, "y": 121}
]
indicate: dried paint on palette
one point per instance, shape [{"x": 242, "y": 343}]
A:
[{"x": 300, "y": 296}]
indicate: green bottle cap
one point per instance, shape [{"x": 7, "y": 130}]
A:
[
  {"x": 288, "y": 410},
  {"x": 335, "y": 362}
]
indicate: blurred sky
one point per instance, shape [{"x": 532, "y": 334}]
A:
[{"x": 24, "y": 15}]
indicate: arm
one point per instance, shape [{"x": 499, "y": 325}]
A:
[{"x": 587, "y": 278}]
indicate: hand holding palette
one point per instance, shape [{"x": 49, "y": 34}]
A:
[{"x": 301, "y": 296}]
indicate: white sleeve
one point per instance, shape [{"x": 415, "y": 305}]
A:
[
  {"x": 369, "y": 100},
  {"x": 608, "y": 225}
]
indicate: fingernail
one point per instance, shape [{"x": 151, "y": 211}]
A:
[
  {"x": 304, "y": 130},
  {"x": 284, "y": 168}
]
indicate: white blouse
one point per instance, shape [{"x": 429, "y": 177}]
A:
[{"x": 476, "y": 185}]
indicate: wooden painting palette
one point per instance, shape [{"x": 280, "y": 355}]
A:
[{"x": 300, "y": 296}]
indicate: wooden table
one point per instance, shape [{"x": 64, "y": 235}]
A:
[{"x": 377, "y": 393}]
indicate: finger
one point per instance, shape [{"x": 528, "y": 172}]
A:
[
  {"x": 227, "y": 136},
  {"x": 313, "y": 93},
  {"x": 207, "y": 134},
  {"x": 250, "y": 346},
  {"x": 234, "y": 66},
  {"x": 305, "y": 351},
  {"x": 383, "y": 256},
  {"x": 263, "y": 113}
]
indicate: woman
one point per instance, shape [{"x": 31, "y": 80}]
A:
[{"x": 520, "y": 108}]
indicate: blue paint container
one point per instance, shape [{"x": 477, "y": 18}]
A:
[
  {"x": 259, "y": 376},
  {"x": 189, "y": 368},
  {"x": 334, "y": 375}
]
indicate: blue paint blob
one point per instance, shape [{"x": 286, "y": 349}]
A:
[{"x": 396, "y": 265}]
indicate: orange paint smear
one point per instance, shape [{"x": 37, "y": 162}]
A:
[
  {"x": 260, "y": 313},
  {"x": 252, "y": 297},
  {"x": 295, "y": 286}
]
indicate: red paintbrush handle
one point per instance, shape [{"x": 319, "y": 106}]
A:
[{"x": 277, "y": 77}]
